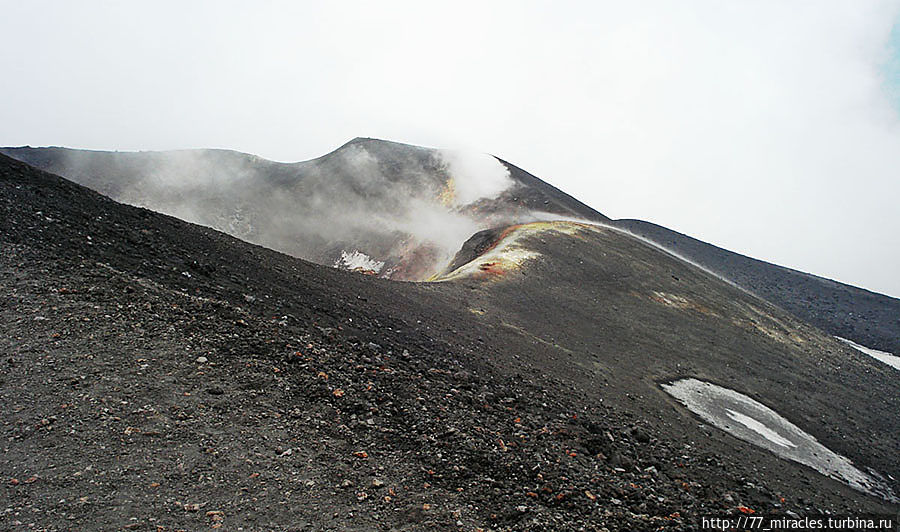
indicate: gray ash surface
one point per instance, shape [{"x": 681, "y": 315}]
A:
[
  {"x": 235, "y": 193},
  {"x": 162, "y": 374},
  {"x": 869, "y": 318}
]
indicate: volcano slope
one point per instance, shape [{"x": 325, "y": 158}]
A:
[
  {"x": 841, "y": 309},
  {"x": 161, "y": 374},
  {"x": 390, "y": 209},
  {"x": 402, "y": 211}
]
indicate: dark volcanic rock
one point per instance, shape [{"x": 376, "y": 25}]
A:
[
  {"x": 522, "y": 400},
  {"x": 356, "y": 204}
]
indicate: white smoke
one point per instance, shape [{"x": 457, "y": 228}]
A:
[
  {"x": 475, "y": 175},
  {"x": 399, "y": 210}
]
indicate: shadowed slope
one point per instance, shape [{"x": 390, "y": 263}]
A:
[
  {"x": 524, "y": 400},
  {"x": 395, "y": 211}
]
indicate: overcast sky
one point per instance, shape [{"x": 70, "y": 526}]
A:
[{"x": 768, "y": 128}]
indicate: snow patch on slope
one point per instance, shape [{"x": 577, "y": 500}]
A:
[
  {"x": 359, "y": 261},
  {"x": 883, "y": 356},
  {"x": 753, "y": 422},
  {"x": 760, "y": 429}
]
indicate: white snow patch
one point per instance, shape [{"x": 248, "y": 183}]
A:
[
  {"x": 357, "y": 260},
  {"x": 761, "y": 429},
  {"x": 883, "y": 356},
  {"x": 753, "y": 422}
]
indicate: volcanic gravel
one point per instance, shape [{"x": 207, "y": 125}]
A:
[{"x": 161, "y": 376}]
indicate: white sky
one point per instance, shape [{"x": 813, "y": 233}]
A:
[{"x": 768, "y": 128}]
